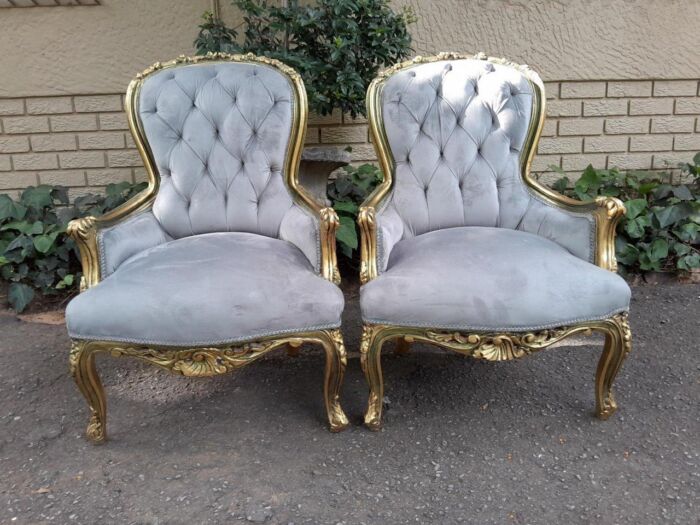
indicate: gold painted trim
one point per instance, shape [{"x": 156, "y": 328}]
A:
[
  {"x": 498, "y": 347},
  {"x": 84, "y": 231},
  {"x": 204, "y": 362},
  {"x": 606, "y": 211}
]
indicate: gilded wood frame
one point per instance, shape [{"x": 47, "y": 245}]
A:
[
  {"x": 606, "y": 211},
  {"x": 209, "y": 361}
]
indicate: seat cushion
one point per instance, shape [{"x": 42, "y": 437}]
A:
[
  {"x": 489, "y": 279},
  {"x": 207, "y": 289}
]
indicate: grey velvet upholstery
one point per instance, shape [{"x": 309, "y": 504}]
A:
[
  {"x": 456, "y": 130},
  {"x": 207, "y": 289},
  {"x": 484, "y": 278},
  {"x": 301, "y": 228},
  {"x": 219, "y": 134},
  {"x": 223, "y": 254},
  {"x": 128, "y": 238}
]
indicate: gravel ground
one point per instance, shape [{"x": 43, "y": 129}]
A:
[{"x": 464, "y": 441}]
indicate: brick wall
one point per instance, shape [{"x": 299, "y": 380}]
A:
[
  {"x": 645, "y": 125},
  {"x": 83, "y": 142}
]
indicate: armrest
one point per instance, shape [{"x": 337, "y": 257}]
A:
[
  {"x": 104, "y": 246},
  {"x": 314, "y": 235},
  {"x": 586, "y": 229},
  {"x": 379, "y": 232}
]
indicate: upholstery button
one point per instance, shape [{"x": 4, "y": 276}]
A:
[{"x": 413, "y": 73}]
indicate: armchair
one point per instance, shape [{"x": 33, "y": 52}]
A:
[
  {"x": 460, "y": 246},
  {"x": 224, "y": 257}
]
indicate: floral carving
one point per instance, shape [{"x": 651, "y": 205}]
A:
[
  {"x": 200, "y": 362},
  {"x": 500, "y": 347},
  {"x": 209, "y": 57}
]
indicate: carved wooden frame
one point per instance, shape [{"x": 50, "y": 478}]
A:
[
  {"x": 606, "y": 211},
  {"x": 206, "y": 361}
]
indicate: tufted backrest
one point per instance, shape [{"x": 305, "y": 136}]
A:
[
  {"x": 219, "y": 133},
  {"x": 456, "y": 129}
]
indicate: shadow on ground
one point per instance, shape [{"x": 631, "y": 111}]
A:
[{"x": 463, "y": 442}]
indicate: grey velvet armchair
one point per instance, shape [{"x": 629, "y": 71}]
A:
[
  {"x": 224, "y": 257},
  {"x": 461, "y": 248}
]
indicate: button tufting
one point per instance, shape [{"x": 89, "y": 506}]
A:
[{"x": 413, "y": 73}]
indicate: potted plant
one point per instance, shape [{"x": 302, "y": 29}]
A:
[{"x": 338, "y": 47}]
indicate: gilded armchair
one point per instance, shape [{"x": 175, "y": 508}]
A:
[
  {"x": 460, "y": 246},
  {"x": 224, "y": 257}
]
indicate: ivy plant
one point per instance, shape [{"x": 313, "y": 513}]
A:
[
  {"x": 661, "y": 229},
  {"x": 347, "y": 192},
  {"x": 35, "y": 253},
  {"x": 338, "y": 46}
]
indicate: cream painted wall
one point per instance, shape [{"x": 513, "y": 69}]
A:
[
  {"x": 94, "y": 49},
  {"x": 75, "y": 50},
  {"x": 568, "y": 39}
]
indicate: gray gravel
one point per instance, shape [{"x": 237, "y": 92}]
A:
[{"x": 464, "y": 441}]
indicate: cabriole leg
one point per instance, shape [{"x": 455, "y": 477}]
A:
[
  {"x": 618, "y": 343},
  {"x": 82, "y": 367},
  {"x": 370, "y": 358},
  {"x": 336, "y": 361}
]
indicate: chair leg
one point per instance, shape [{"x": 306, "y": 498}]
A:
[
  {"x": 618, "y": 343},
  {"x": 370, "y": 359},
  {"x": 336, "y": 361},
  {"x": 402, "y": 346},
  {"x": 82, "y": 367}
]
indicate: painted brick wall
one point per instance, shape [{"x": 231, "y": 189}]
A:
[{"x": 83, "y": 142}]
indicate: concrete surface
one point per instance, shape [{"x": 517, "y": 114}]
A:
[{"x": 464, "y": 441}]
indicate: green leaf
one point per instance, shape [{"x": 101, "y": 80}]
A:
[
  {"x": 687, "y": 232},
  {"x": 635, "y": 228},
  {"x": 43, "y": 243},
  {"x": 635, "y": 207},
  {"x": 66, "y": 282},
  {"x": 672, "y": 214},
  {"x": 681, "y": 249},
  {"x": 346, "y": 233},
  {"x": 10, "y": 209},
  {"x": 37, "y": 197},
  {"x": 627, "y": 254},
  {"x": 20, "y": 295},
  {"x": 689, "y": 262},
  {"x": 29, "y": 228},
  {"x": 346, "y": 206},
  {"x": 561, "y": 185},
  {"x": 658, "y": 249}
]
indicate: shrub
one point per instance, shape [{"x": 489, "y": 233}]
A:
[
  {"x": 347, "y": 192},
  {"x": 338, "y": 46},
  {"x": 660, "y": 231},
  {"x": 35, "y": 253}
]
